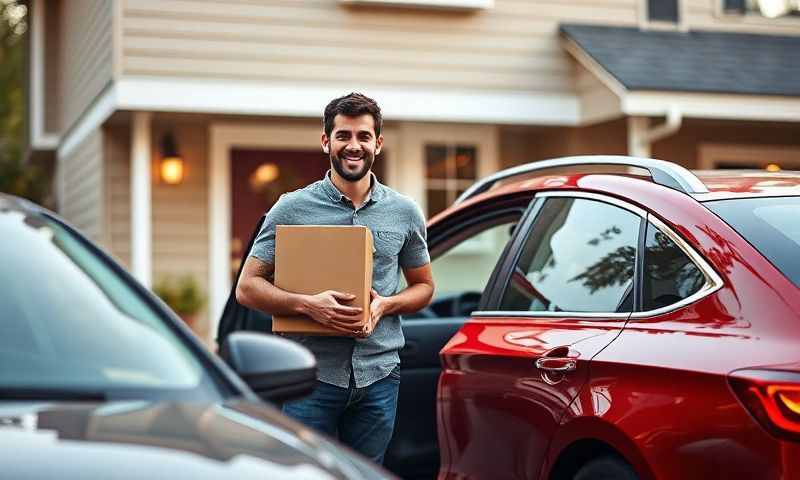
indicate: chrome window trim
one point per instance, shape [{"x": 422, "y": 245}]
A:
[
  {"x": 598, "y": 197},
  {"x": 713, "y": 280}
]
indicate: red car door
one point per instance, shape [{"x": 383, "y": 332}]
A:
[{"x": 564, "y": 292}]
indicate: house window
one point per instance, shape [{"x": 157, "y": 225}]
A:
[
  {"x": 734, "y": 6},
  {"x": 663, "y": 11},
  {"x": 770, "y": 158},
  {"x": 450, "y": 169},
  {"x": 766, "y": 8}
]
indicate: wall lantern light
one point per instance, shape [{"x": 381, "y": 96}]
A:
[
  {"x": 265, "y": 174},
  {"x": 171, "y": 162}
]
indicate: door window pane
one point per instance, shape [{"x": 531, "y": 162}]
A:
[
  {"x": 669, "y": 275},
  {"x": 579, "y": 257},
  {"x": 462, "y": 272}
]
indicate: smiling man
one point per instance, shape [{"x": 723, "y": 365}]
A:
[{"x": 358, "y": 380}]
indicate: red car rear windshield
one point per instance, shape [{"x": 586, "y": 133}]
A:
[{"x": 772, "y": 225}]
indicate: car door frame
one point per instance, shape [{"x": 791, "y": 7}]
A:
[
  {"x": 502, "y": 276},
  {"x": 398, "y": 458}
]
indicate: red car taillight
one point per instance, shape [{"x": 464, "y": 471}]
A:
[{"x": 772, "y": 397}]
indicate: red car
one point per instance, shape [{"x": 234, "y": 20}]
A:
[{"x": 638, "y": 323}]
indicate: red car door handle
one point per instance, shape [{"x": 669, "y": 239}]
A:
[{"x": 555, "y": 364}]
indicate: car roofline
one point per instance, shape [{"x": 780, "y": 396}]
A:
[{"x": 664, "y": 173}]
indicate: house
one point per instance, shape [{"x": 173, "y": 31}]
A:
[{"x": 235, "y": 90}]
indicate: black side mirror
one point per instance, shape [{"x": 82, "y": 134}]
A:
[{"x": 275, "y": 368}]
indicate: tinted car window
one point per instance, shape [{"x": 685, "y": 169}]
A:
[
  {"x": 772, "y": 225},
  {"x": 69, "y": 321},
  {"x": 579, "y": 257},
  {"x": 669, "y": 275}
]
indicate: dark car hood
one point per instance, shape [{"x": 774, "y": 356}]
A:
[{"x": 165, "y": 440}]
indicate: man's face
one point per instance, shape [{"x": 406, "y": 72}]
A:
[{"x": 352, "y": 146}]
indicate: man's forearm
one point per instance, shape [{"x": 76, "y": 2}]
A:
[
  {"x": 413, "y": 299},
  {"x": 260, "y": 294}
]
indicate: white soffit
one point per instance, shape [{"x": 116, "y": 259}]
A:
[
  {"x": 717, "y": 106},
  {"x": 186, "y": 95}
]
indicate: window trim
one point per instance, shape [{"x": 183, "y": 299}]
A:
[
  {"x": 713, "y": 280},
  {"x": 750, "y": 17},
  {"x": 646, "y": 24}
]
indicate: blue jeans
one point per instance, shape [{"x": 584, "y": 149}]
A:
[{"x": 361, "y": 418}]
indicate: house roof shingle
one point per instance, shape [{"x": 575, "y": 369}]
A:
[{"x": 694, "y": 61}]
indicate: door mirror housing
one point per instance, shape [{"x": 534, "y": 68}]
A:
[{"x": 275, "y": 368}]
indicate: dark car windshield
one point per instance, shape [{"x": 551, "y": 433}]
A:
[
  {"x": 71, "y": 326},
  {"x": 772, "y": 225}
]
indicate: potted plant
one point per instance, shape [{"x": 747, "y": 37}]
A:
[{"x": 183, "y": 295}]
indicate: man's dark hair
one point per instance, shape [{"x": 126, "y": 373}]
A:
[{"x": 352, "y": 105}]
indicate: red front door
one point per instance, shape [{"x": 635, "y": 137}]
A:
[{"x": 259, "y": 177}]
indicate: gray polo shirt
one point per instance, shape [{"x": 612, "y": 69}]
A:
[{"x": 398, "y": 230}]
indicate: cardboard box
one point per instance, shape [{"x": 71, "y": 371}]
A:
[{"x": 311, "y": 259}]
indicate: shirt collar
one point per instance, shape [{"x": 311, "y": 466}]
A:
[{"x": 375, "y": 193}]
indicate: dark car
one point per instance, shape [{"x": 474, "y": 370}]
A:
[{"x": 99, "y": 379}]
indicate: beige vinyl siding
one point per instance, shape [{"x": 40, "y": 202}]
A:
[
  {"x": 79, "y": 176},
  {"x": 705, "y": 15},
  {"x": 180, "y": 212},
  {"x": 512, "y": 46},
  {"x": 118, "y": 193},
  {"x": 520, "y": 145},
  {"x": 86, "y": 55}
]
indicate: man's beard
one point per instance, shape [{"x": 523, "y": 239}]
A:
[{"x": 338, "y": 165}]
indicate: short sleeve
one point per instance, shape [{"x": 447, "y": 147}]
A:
[
  {"x": 264, "y": 244},
  {"x": 415, "y": 249}
]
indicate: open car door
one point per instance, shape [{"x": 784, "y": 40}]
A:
[
  {"x": 465, "y": 247},
  {"x": 235, "y": 316}
]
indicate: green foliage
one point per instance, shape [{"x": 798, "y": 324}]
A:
[
  {"x": 182, "y": 294},
  {"x": 15, "y": 176}
]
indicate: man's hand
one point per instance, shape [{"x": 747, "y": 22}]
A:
[
  {"x": 325, "y": 308},
  {"x": 379, "y": 307}
]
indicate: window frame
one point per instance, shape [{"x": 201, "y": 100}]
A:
[
  {"x": 500, "y": 284},
  {"x": 450, "y": 185},
  {"x": 752, "y": 17},
  {"x": 465, "y": 219},
  {"x": 646, "y": 24},
  {"x": 713, "y": 280}
]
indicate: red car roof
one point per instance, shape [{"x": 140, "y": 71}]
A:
[{"x": 722, "y": 184}]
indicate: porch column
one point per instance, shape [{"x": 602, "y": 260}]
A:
[
  {"x": 141, "y": 200},
  {"x": 638, "y": 141}
]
